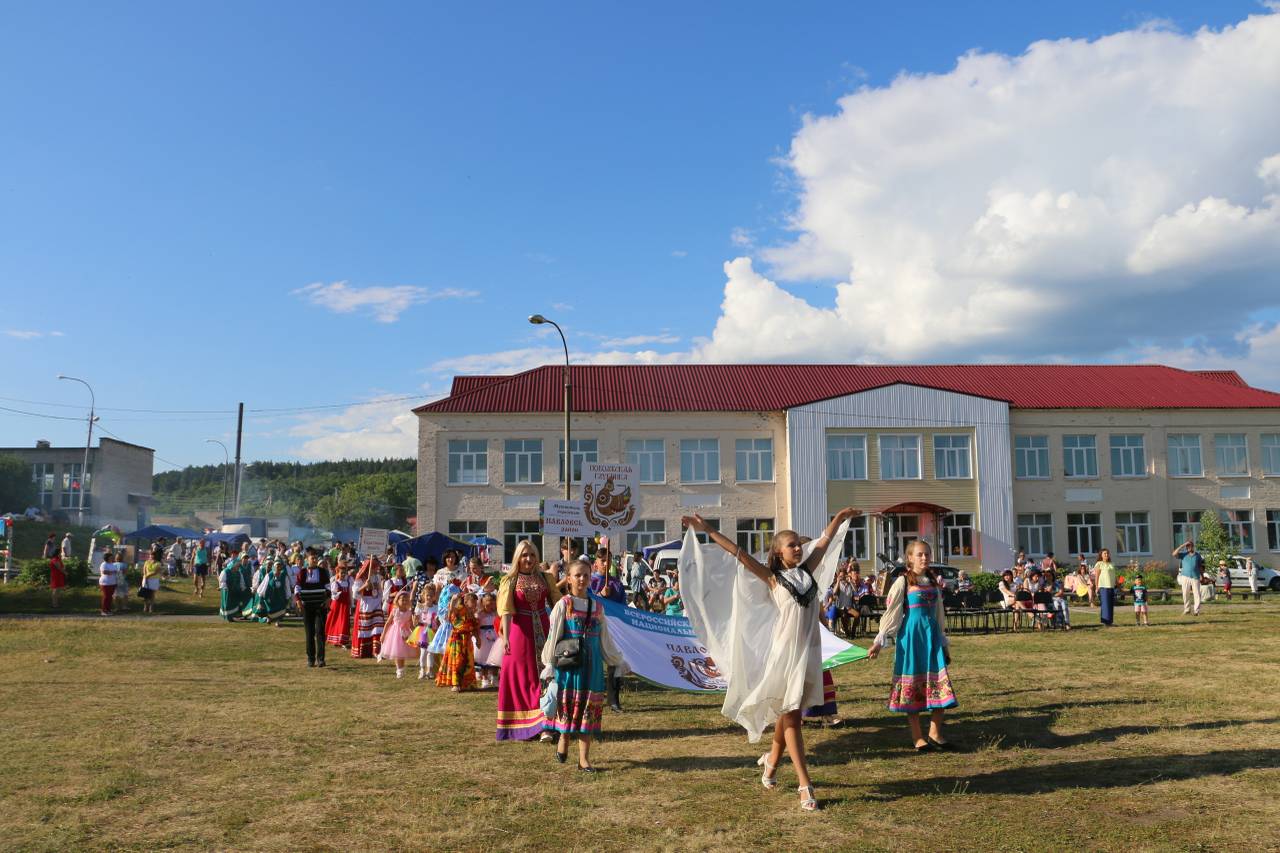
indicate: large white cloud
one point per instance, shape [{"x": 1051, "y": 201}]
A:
[{"x": 1085, "y": 200}]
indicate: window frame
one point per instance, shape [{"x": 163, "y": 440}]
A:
[
  {"x": 1273, "y": 529},
  {"x": 1037, "y": 526},
  {"x": 635, "y": 544},
  {"x": 763, "y": 528},
  {"x": 897, "y": 436},
  {"x": 946, "y": 452},
  {"x": 1186, "y": 528},
  {"x": 851, "y": 452},
  {"x": 1039, "y": 453},
  {"x": 471, "y": 527},
  {"x": 1069, "y": 454},
  {"x": 660, "y": 455},
  {"x": 523, "y": 452},
  {"x": 1095, "y": 533},
  {"x": 482, "y": 453},
  {"x": 1230, "y": 523},
  {"x": 73, "y": 472},
  {"x": 1130, "y": 525},
  {"x": 751, "y": 454},
  {"x": 849, "y": 547},
  {"x": 948, "y": 527},
  {"x": 1120, "y": 452},
  {"x": 1170, "y": 455},
  {"x": 706, "y": 455},
  {"x": 577, "y": 457},
  {"x": 1241, "y": 453},
  {"x": 510, "y": 538}
]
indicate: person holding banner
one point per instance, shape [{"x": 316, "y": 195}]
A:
[
  {"x": 523, "y": 598},
  {"x": 790, "y": 679}
]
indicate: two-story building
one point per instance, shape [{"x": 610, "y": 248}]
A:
[
  {"x": 981, "y": 460},
  {"x": 116, "y": 485}
]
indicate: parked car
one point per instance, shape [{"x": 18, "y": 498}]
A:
[
  {"x": 949, "y": 575},
  {"x": 1267, "y": 578},
  {"x": 35, "y": 513}
]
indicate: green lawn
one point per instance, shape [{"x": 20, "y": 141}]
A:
[
  {"x": 142, "y": 735},
  {"x": 175, "y": 599}
]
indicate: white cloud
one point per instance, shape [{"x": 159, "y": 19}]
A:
[
  {"x": 28, "y": 335},
  {"x": 641, "y": 340},
  {"x": 1079, "y": 201},
  {"x": 378, "y": 428},
  {"x": 386, "y": 302},
  {"x": 1255, "y": 356},
  {"x": 679, "y": 253},
  {"x": 741, "y": 238}
]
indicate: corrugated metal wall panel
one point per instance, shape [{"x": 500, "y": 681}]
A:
[{"x": 897, "y": 407}]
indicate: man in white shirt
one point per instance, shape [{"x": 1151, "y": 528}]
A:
[
  {"x": 66, "y": 547},
  {"x": 109, "y": 572}
]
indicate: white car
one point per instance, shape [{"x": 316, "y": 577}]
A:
[{"x": 1267, "y": 578}]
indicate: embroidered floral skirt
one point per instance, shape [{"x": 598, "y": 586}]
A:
[{"x": 920, "y": 679}]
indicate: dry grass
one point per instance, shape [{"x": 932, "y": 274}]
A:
[{"x": 127, "y": 734}]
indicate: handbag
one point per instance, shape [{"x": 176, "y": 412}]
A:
[
  {"x": 569, "y": 652},
  {"x": 549, "y": 701}
]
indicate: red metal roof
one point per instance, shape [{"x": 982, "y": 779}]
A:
[
  {"x": 1228, "y": 376},
  {"x": 776, "y": 387}
]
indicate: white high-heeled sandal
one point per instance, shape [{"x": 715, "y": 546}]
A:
[
  {"x": 767, "y": 778},
  {"x": 809, "y": 803}
]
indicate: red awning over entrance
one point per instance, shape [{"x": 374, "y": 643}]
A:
[{"x": 913, "y": 508}]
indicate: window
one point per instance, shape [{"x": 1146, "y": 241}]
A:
[
  {"x": 1035, "y": 533},
  {"x": 584, "y": 451},
  {"x": 649, "y": 455},
  {"x": 1031, "y": 457},
  {"x": 465, "y": 531},
  {"x": 522, "y": 461},
  {"x": 1231, "y": 453},
  {"x": 1133, "y": 533},
  {"x": 957, "y": 535},
  {"x": 1239, "y": 525},
  {"x": 755, "y": 535},
  {"x": 1084, "y": 532},
  {"x": 846, "y": 457},
  {"x": 753, "y": 458},
  {"x": 1186, "y": 525},
  {"x": 700, "y": 460},
  {"x": 648, "y": 531},
  {"x": 1184, "y": 456},
  {"x": 951, "y": 457},
  {"x": 899, "y": 457},
  {"x": 1128, "y": 456},
  {"x": 71, "y": 486},
  {"x": 1080, "y": 456},
  {"x": 1273, "y": 529},
  {"x": 468, "y": 462},
  {"x": 1271, "y": 454},
  {"x": 855, "y": 539},
  {"x": 42, "y": 476},
  {"x": 714, "y": 524},
  {"x": 514, "y": 532}
]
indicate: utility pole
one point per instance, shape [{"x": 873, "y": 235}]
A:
[
  {"x": 239, "y": 441},
  {"x": 84, "y": 469}
]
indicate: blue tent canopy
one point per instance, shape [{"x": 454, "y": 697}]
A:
[
  {"x": 153, "y": 532},
  {"x": 674, "y": 545},
  {"x": 432, "y": 545},
  {"x": 235, "y": 540}
]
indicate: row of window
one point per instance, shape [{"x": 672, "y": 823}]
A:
[
  {"x": 754, "y": 535},
  {"x": 1132, "y": 531},
  {"x": 468, "y": 462},
  {"x": 42, "y": 474},
  {"x": 1129, "y": 455}
]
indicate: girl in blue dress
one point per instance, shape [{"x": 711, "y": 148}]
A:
[
  {"x": 914, "y": 618},
  {"x": 582, "y": 688}
]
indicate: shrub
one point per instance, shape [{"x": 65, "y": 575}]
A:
[
  {"x": 1159, "y": 580},
  {"x": 986, "y": 583},
  {"x": 35, "y": 572}
]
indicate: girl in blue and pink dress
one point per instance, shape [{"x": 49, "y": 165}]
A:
[{"x": 915, "y": 619}]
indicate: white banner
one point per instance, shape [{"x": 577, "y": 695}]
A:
[
  {"x": 373, "y": 541},
  {"x": 564, "y": 518},
  {"x": 610, "y": 497},
  {"x": 663, "y": 649}
]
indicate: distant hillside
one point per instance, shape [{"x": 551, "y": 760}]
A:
[{"x": 350, "y": 493}]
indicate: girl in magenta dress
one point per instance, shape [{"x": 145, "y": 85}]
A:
[{"x": 524, "y": 596}]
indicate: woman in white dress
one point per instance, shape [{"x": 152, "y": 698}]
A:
[{"x": 789, "y": 678}]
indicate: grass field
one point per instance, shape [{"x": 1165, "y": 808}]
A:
[
  {"x": 143, "y": 735},
  {"x": 174, "y": 599}
]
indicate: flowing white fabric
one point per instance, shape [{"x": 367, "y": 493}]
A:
[{"x": 766, "y": 645}]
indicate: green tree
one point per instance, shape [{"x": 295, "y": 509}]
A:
[
  {"x": 17, "y": 490},
  {"x": 1214, "y": 543}
]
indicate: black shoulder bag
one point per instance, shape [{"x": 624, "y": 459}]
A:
[{"x": 571, "y": 651}]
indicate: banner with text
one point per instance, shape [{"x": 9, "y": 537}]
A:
[
  {"x": 563, "y": 518},
  {"x": 663, "y": 649}
]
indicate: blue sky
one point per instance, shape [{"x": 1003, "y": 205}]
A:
[{"x": 304, "y": 205}]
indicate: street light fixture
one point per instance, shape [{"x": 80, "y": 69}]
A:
[
  {"x": 84, "y": 470},
  {"x": 225, "y": 465},
  {"x": 538, "y": 320}
]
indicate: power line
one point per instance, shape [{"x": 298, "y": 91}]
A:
[{"x": 41, "y": 414}]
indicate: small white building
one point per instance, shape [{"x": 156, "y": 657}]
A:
[{"x": 118, "y": 481}]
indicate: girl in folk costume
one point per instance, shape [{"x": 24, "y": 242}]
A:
[
  {"x": 440, "y": 640},
  {"x": 426, "y": 621},
  {"x": 763, "y": 632},
  {"x": 229, "y": 586},
  {"x": 252, "y": 600},
  {"x": 393, "y": 586},
  {"x": 396, "y": 633},
  {"x": 337, "y": 625},
  {"x": 523, "y": 598},
  {"x": 827, "y": 713},
  {"x": 489, "y": 655},
  {"x": 273, "y": 595},
  {"x": 246, "y": 570},
  {"x": 458, "y": 667},
  {"x": 580, "y": 686},
  {"x": 366, "y": 627},
  {"x": 914, "y": 617}
]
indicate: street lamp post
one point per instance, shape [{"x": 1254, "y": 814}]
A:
[
  {"x": 538, "y": 320},
  {"x": 84, "y": 470},
  {"x": 226, "y": 455}
]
